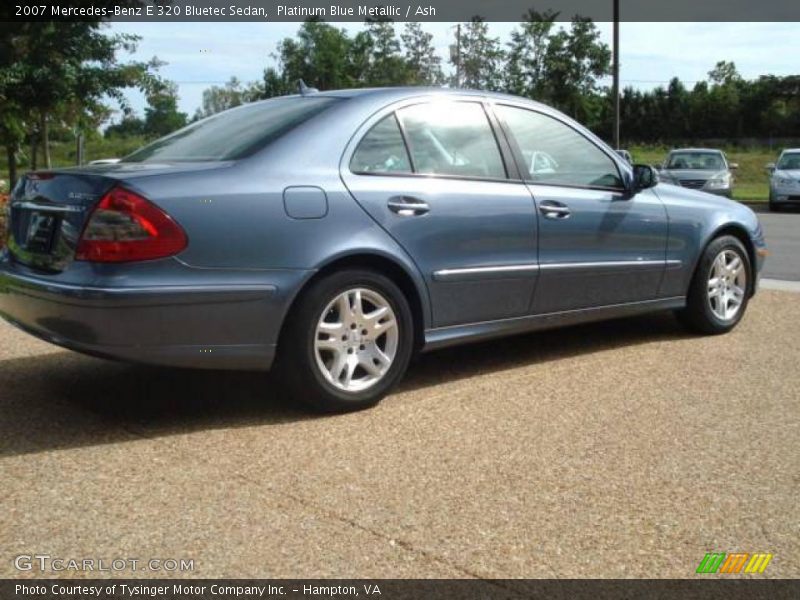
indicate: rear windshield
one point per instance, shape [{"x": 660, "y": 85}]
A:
[{"x": 235, "y": 133}]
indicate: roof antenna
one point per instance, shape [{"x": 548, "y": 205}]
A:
[{"x": 304, "y": 89}]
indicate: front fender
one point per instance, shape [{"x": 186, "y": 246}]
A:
[{"x": 696, "y": 218}]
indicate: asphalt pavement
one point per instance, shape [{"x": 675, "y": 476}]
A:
[
  {"x": 621, "y": 449},
  {"x": 782, "y": 231}
]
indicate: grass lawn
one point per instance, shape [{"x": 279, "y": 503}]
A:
[{"x": 751, "y": 183}]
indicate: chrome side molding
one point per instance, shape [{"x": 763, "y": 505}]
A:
[{"x": 471, "y": 273}]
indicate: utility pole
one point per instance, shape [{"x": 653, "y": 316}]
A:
[
  {"x": 616, "y": 74},
  {"x": 458, "y": 55},
  {"x": 79, "y": 148}
]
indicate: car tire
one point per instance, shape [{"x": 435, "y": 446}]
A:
[
  {"x": 773, "y": 206},
  {"x": 321, "y": 341},
  {"x": 711, "y": 304}
]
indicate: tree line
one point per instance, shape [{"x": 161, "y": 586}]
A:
[
  {"x": 564, "y": 67},
  {"x": 726, "y": 106},
  {"x": 57, "y": 80}
]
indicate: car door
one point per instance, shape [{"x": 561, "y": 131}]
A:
[
  {"x": 433, "y": 175},
  {"x": 598, "y": 246}
]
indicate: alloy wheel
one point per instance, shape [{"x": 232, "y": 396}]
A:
[
  {"x": 356, "y": 339},
  {"x": 727, "y": 285}
]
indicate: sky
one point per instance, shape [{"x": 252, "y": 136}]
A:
[{"x": 200, "y": 55}]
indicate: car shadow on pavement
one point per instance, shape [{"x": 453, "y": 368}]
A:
[
  {"x": 763, "y": 207},
  {"x": 66, "y": 400}
]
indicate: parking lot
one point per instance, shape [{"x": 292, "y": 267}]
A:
[
  {"x": 782, "y": 231},
  {"x": 623, "y": 449}
]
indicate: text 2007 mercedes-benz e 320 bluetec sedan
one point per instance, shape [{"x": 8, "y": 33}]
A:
[{"x": 337, "y": 233}]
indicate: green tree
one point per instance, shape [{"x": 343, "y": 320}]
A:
[
  {"x": 128, "y": 126},
  {"x": 481, "y": 57},
  {"x": 320, "y": 56},
  {"x": 724, "y": 97},
  {"x": 272, "y": 84},
  {"x": 423, "y": 66},
  {"x": 575, "y": 60},
  {"x": 386, "y": 66},
  {"x": 527, "y": 56},
  {"x": 559, "y": 66},
  {"x": 724, "y": 73},
  {"x": 61, "y": 73},
  {"x": 162, "y": 115},
  {"x": 359, "y": 58},
  {"x": 219, "y": 98}
]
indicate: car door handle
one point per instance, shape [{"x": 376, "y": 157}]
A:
[
  {"x": 407, "y": 206},
  {"x": 554, "y": 210}
]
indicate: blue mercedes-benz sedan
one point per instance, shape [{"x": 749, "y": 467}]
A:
[{"x": 335, "y": 234}]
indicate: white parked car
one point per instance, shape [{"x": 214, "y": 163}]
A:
[{"x": 784, "y": 181}]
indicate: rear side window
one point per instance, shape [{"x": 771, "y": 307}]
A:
[
  {"x": 452, "y": 138},
  {"x": 234, "y": 134},
  {"x": 554, "y": 153},
  {"x": 382, "y": 150}
]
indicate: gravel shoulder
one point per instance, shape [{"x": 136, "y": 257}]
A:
[{"x": 622, "y": 449}]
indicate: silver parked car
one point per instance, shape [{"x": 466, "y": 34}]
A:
[
  {"x": 625, "y": 154},
  {"x": 784, "y": 181},
  {"x": 332, "y": 235},
  {"x": 699, "y": 169}
]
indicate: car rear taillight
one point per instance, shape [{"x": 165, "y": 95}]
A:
[{"x": 126, "y": 227}]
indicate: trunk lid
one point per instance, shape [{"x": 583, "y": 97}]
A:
[{"x": 48, "y": 210}]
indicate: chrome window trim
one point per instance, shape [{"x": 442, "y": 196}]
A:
[{"x": 363, "y": 130}]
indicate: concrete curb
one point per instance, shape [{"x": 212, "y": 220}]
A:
[{"x": 779, "y": 284}]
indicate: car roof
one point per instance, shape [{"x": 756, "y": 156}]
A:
[
  {"x": 392, "y": 94},
  {"x": 791, "y": 150}
]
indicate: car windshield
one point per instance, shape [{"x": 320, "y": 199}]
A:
[
  {"x": 706, "y": 161},
  {"x": 790, "y": 161},
  {"x": 233, "y": 134}
]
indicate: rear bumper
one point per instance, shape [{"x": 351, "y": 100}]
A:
[
  {"x": 782, "y": 197},
  {"x": 202, "y": 325}
]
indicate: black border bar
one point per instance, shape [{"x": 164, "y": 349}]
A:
[
  {"x": 397, "y": 10},
  {"x": 399, "y": 589}
]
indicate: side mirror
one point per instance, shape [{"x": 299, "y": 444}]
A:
[
  {"x": 733, "y": 166},
  {"x": 770, "y": 167},
  {"x": 644, "y": 177}
]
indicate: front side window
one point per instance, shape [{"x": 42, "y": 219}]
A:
[
  {"x": 452, "y": 138},
  {"x": 234, "y": 134},
  {"x": 556, "y": 154},
  {"x": 382, "y": 150}
]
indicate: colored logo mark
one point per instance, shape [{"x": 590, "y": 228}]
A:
[{"x": 737, "y": 562}]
